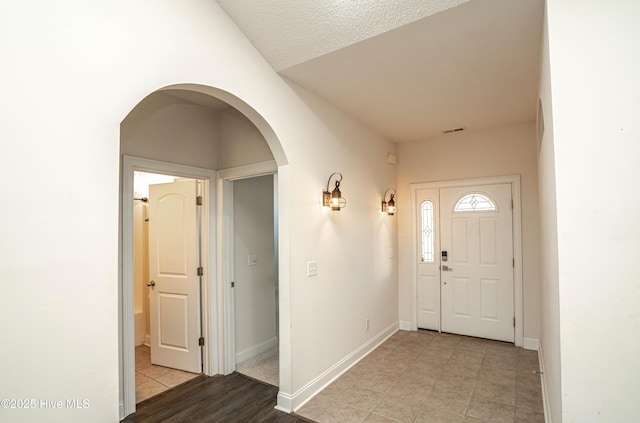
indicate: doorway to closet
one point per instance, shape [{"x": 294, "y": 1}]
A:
[
  {"x": 255, "y": 279},
  {"x": 248, "y": 210}
]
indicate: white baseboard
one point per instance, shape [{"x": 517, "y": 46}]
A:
[
  {"x": 531, "y": 344},
  {"x": 256, "y": 349},
  {"x": 288, "y": 403},
  {"x": 147, "y": 340},
  {"x": 404, "y": 325},
  {"x": 284, "y": 402},
  {"x": 121, "y": 410},
  {"x": 545, "y": 391}
]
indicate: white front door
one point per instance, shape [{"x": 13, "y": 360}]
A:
[
  {"x": 173, "y": 269},
  {"x": 477, "y": 277}
]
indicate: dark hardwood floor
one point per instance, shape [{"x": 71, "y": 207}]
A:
[{"x": 233, "y": 398}]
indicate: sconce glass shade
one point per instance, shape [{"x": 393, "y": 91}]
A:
[
  {"x": 336, "y": 195},
  {"x": 334, "y": 198},
  {"x": 389, "y": 207}
]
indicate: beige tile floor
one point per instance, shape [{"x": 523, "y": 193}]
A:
[
  {"x": 152, "y": 379},
  {"x": 425, "y": 377}
]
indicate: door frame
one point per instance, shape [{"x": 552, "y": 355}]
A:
[
  {"x": 514, "y": 180},
  {"x": 225, "y": 249},
  {"x": 210, "y": 356}
]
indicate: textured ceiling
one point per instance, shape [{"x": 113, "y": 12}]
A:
[
  {"x": 288, "y": 32},
  {"x": 407, "y": 69}
]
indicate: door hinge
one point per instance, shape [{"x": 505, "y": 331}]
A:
[
  {"x": 514, "y": 322},
  {"x": 201, "y": 341},
  {"x": 200, "y": 271},
  {"x": 512, "y": 203},
  {"x": 513, "y": 262},
  {"x": 199, "y": 200},
  {"x": 233, "y": 284}
]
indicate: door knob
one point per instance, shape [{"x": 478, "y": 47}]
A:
[
  {"x": 446, "y": 268},
  {"x": 151, "y": 283}
]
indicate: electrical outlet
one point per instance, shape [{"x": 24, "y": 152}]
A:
[
  {"x": 366, "y": 324},
  {"x": 312, "y": 268}
]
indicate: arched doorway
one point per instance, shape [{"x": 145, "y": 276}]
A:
[{"x": 215, "y": 317}]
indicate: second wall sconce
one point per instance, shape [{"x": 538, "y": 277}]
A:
[
  {"x": 389, "y": 207},
  {"x": 334, "y": 198}
]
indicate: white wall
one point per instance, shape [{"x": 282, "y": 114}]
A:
[
  {"x": 549, "y": 302},
  {"x": 139, "y": 253},
  {"x": 141, "y": 271},
  {"x": 239, "y": 141},
  {"x": 255, "y": 285},
  {"x": 169, "y": 129},
  {"x": 595, "y": 90},
  {"x": 502, "y": 151},
  {"x": 71, "y": 73},
  {"x": 356, "y": 277},
  {"x": 165, "y": 128}
]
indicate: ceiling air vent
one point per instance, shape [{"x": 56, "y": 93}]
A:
[{"x": 451, "y": 131}]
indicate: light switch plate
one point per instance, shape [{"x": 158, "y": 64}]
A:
[
  {"x": 252, "y": 260},
  {"x": 312, "y": 268}
]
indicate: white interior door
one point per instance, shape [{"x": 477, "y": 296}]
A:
[
  {"x": 477, "y": 278},
  {"x": 428, "y": 259},
  {"x": 173, "y": 264}
]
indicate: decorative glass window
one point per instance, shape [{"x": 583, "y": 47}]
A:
[
  {"x": 428, "y": 240},
  {"x": 474, "y": 202}
]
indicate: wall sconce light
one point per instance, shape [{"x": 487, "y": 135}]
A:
[
  {"x": 389, "y": 207},
  {"x": 334, "y": 198}
]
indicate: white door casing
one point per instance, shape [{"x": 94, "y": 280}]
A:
[
  {"x": 173, "y": 268},
  {"x": 477, "y": 278}
]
